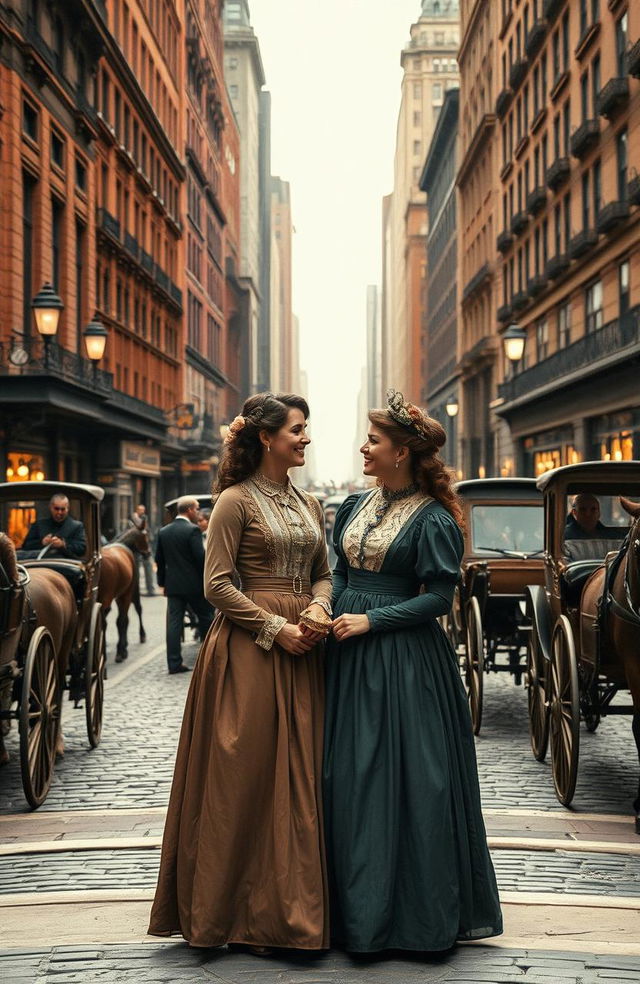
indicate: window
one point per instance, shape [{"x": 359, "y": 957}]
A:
[
  {"x": 80, "y": 281},
  {"x": 621, "y": 158},
  {"x": 417, "y": 90},
  {"x": 417, "y": 118},
  {"x": 417, "y": 147},
  {"x": 30, "y": 120},
  {"x": 593, "y": 306},
  {"x": 567, "y": 220},
  {"x": 566, "y": 113},
  {"x": 623, "y": 287},
  {"x": 28, "y": 202},
  {"x": 58, "y": 45},
  {"x": 622, "y": 37},
  {"x": 542, "y": 339},
  {"x": 584, "y": 95},
  {"x": 57, "y": 149},
  {"x": 556, "y": 137},
  {"x": 584, "y": 16},
  {"x": 564, "y": 325},
  {"x": 57, "y": 225},
  {"x": 556, "y": 55},
  {"x": 597, "y": 189},
  {"x": 585, "y": 200},
  {"x": 565, "y": 42},
  {"x": 595, "y": 83},
  {"x": 436, "y": 90},
  {"x": 557, "y": 221}
]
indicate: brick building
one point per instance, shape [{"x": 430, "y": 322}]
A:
[
  {"x": 96, "y": 119},
  {"x": 569, "y": 236}
]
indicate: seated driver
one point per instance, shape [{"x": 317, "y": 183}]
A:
[
  {"x": 64, "y": 535},
  {"x": 583, "y": 522}
]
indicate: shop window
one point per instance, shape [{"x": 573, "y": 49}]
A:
[{"x": 593, "y": 307}]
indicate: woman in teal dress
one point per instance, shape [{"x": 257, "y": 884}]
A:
[{"x": 409, "y": 866}]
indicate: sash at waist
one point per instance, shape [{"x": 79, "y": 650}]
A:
[
  {"x": 375, "y": 583},
  {"x": 281, "y": 585}
]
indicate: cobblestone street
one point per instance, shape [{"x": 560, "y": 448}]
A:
[{"x": 96, "y": 840}]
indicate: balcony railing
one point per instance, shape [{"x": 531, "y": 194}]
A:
[
  {"x": 138, "y": 407},
  {"x": 131, "y": 245},
  {"x": 476, "y": 281},
  {"x": 611, "y": 216},
  {"x": 519, "y": 300},
  {"x": 54, "y": 361},
  {"x": 582, "y": 242},
  {"x": 633, "y": 190},
  {"x": 633, "y": 60},
  {"x": 556, "y": 266},
  {"x": 519, "y": 222},
  {"x": 146, "y": 261},
  {"x": 161, "y": 278},
  {"x": 558, "y": 173},
  {"x": 503, "y": 102},
  {"x": 504, "y": 241},
  {"x": 517, "y": 72},
  {"x": 176, "y": 293},
  {"x": 535, "y": 37},
  {"x": 108, "y": 223},
  {"x": 536, "y": 285},
  {"x": 584, "y": 138},
  {"x": 504, "y": 313},
  {"x": 536, "y": 200},
  {"x": 613, "y": 96},
  {"x": 587, "y": 354}
]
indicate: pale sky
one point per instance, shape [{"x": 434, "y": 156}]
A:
[{"x": 333, "y": 69}]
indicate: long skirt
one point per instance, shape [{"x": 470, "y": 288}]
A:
[{"x": 242, "y": 855}]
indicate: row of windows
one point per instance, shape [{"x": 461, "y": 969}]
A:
[
  {"x": 130, "y": 308},
  {"x": 58, "y": 145},
  {"x": 211, "y": 344},
  {"x": 162, "y": 22}
]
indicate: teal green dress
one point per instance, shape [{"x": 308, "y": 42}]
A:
[{"x": 409, "y": 866}]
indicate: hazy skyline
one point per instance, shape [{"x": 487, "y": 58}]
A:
[{"x": 333, "y": 69}]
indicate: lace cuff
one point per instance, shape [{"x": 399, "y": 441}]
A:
[
  {"x": 268, "y": 632},
  {"x": 324, "y": 604}
]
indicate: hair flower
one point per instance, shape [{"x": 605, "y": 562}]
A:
[{"x": 235, "y": 427}]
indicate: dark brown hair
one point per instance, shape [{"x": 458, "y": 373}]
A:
[
  {"x": 430, "y": 473},
  {"x": 243, "y": 449}
]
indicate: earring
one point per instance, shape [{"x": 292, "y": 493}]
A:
[
  {"x": 268, "y": 447},
  {"x": 396, "y": 464}
]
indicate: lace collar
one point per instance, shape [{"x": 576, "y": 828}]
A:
[
  {"x": 269, "y": 487},
  {"x": 394, "y": 495}
]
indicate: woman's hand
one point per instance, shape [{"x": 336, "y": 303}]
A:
[
  {"x": 291, "y": 639},
  {"x": 317, "y": 612},
  {"x": 350, "y": 625}
]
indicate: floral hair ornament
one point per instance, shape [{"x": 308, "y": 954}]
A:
[
  {"x": 235, "y": 427},
  {"x": 407, "y": 414}
]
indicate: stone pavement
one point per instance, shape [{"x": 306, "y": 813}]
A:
[{"x": 168, "y": 963}]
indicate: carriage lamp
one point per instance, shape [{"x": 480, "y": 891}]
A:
[
  {"x": 514, "y": 341},
  {"x": 95, "y": 338},
  {"x": 47, "y": 307},
  {"x": 452, "y": 406}
]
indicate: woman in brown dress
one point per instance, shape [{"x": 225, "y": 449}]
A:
[{"x": 242, "y": 856}]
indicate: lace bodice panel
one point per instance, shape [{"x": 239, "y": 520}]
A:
[
  {"x": 292, "y": 532},
  {"x": 365, "y": 541}
]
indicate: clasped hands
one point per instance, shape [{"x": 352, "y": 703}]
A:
[
  {"x": 299, "y": 639},
  {"x": 52, "y": 541}
]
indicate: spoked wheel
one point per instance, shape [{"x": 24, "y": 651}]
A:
[
  {"x": 564, "y": 711},
  {"x": 537, "y": 698},
  {"x": 39, "y": 717},
  {"x": 94, "y": 675},
  {"x": 474, "y": 663}
]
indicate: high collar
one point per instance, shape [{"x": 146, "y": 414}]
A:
[
  {"x": 394, "y": 495},
  {"x": 269, "y": 487}
]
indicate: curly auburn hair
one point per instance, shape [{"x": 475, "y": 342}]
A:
[
  {"x": 430, "y": 473},
  {"x": 243, "y": 448}
]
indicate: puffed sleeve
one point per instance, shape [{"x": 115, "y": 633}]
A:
[
  {"x": 226, "y": 525},
  {"x": 340, "y": 571},
  {"x": 439, "y": 552},
  {"x": 320, "y": 572}
]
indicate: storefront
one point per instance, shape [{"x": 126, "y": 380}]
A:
[
  {"x": 549, "y": 449},
  {"x": 615, "y": 436},
  {"x": 129, "y": 477}
]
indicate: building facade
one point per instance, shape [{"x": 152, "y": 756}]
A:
[
  {"x": 478, "y": 342},
  {"x": 284, "y": 362},
  {"x": 438, "y": 180},
  {"x": 96, "y": 121},
  {"x": 430, "y": 68},
  {"x": 569, "y": 237}
]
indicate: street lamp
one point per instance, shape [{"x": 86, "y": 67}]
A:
[
  {"x": 514, "y": 341},
  {"x": 47, "y": 307},
  {"x": 452, "y": 406},
  {"x": 95, "y": 339}
]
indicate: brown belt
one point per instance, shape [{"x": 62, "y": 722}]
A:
[{"x": 281, "y": 585}]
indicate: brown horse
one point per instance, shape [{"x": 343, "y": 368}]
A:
[
  {"x": 619, "y": 644},
  {"x": 119, "y": 582},
  {"x": 51, "y": 597}
]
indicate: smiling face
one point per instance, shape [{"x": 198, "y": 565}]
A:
[
  {"x": 380, "y": 454},
  {"x": 288, "y": 444}
]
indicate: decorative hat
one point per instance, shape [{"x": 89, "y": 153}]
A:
[{"x": 408, "y": 415}]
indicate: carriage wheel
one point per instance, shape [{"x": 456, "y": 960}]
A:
[
  {"x": 537, "y": 698},
  {"x": 474, "y": 663},
  {"x": 94, "y": 674},
  {"x": 39, "y": 717},
  {"x": 564, "y": 711}
]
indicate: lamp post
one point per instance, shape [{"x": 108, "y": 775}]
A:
[
  {"x": 95, "y": 338},
  {"x": 452, "y": 408},
  {"x": 514, "y": 341},
  {"x": 47, "y": 308}
]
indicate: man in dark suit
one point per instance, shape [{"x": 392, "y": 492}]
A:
[
  {"x": 64, "y": 536},
  {"x": 180, "y": 560}
]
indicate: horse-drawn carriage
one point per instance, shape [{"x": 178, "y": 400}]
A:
[
  {"x": 51, "y": 626},
  {"x": 502, "y": 554},
  {"x": 583, "y": 646}
]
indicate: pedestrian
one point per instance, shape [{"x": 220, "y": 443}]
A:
[
  {"x": 409, "y": 867},
  {"x": 144, "y": 560},
  {"x": 242, "y": 856},
  {"x": 203, "y": 523},
  {"x": 180, "y": 560}
]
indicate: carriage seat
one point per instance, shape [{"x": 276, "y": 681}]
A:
[
  {"x": 74, "y": 573},
  {"x": 592, "y": 549}
]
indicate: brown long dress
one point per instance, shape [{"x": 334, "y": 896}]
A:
[{"x": 242, "y": 855}]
